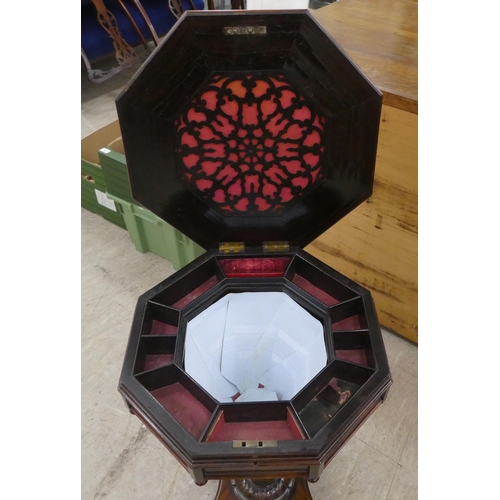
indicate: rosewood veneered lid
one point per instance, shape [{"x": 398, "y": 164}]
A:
[{"x": 252, "y": 127}]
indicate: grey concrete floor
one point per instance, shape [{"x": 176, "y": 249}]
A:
[{"x": 121, "y": 459}]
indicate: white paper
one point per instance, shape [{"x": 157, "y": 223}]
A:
[
  {"x": 248, "y": 315},
  {"x": 203, "y": 354},
  {"x": 299, "y": 350},
  {"x": 103, "y": 200},
  {"x": 248, "y": 340}
]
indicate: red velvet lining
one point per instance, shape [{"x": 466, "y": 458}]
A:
[
  {"x": 276, "y": 430},
  {"x": 157, "y": 360},
  {"x": 184, "y": 407},
  {"x": 293, "y": 425},
  {"x": 196, "y": 292},
  {"x": 357, "y": 356},
  {"x": 160, "y": 328},
  {"x": 351, "y": 323},
  {"x": 314, "y": 291},
  {"x": 255, "y": 267}
]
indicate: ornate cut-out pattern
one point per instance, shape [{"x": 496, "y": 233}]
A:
[{"x": 250, "y": 144}]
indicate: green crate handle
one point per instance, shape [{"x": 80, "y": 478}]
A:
[
  {"x": 118, "y": 200},
  {"x": 147, "y": 219},
  {"x": 131, "y": 208}
]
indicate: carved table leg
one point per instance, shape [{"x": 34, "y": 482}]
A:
[{"x": 264, "y": 489}]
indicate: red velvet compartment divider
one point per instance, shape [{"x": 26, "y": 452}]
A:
[{"x": 258, "y": 267}]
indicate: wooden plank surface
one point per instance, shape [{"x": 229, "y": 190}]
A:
[
  {"x": 381, "y": 36},
  {"x": 376, "y": 244}
]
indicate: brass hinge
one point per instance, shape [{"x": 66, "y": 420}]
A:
[
  {"x": 232, "y": 247},
  {"x": 276, "y": 246}
]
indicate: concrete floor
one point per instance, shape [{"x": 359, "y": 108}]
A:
[{"x": 121, "y": 460}]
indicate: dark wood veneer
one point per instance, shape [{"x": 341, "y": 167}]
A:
[{"x": 310, "y": 428}]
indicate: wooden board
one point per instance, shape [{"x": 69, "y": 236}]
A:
[
  {"x": 376, "y": 244},
  {"x": 381, "y": 36}
]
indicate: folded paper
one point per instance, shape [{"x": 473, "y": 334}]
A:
[{"x": 254, "y": 346}]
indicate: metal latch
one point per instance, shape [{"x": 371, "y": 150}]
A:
[
  {"x": 255, "y": 444},
  {"x": 232, "y": 247},
  {"x": 276, "y": 246}
]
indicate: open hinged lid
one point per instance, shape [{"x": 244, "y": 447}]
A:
[{"x": 250, "y": 127}]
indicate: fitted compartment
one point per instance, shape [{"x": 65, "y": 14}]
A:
[
  {"x": 160, "y": 320},
  {"x": 182, "y": 398},
  {"x": 255, "y": 422},
  {"x": 191, "y": 286},
  {"x": 155, "y": 352},
  {"x": 349, "y": 315},
  {"x": 355, "y": 347},
  {"x": 327, "y": 394},
  {"x": 317, "y": 283}
]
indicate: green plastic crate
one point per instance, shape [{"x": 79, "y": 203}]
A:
[
  {"x": 114, "y": 168},
  {"x": 149, "y": 233},
  {"x": 93, "y": 195},
  {"x": 93, "y": 184},
  {"x": 107, "y": 166}
]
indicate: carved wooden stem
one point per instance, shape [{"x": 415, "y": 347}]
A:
[{"x": 264, "y": 489}]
